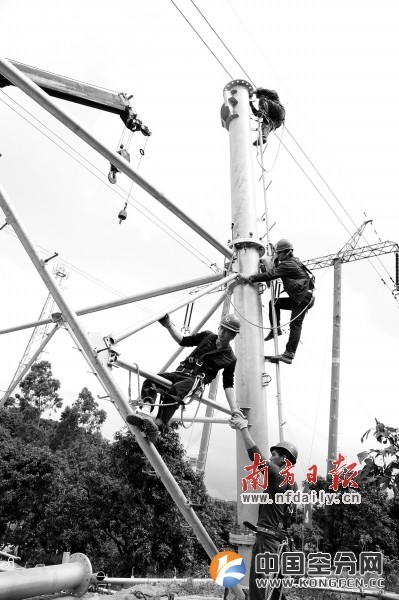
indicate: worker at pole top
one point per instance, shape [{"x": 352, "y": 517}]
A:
[
  {"x": 270, "y": 111},
  {"x": 298, "y": 283},
  {"x": 212, "y": 353},
  {"x": 273, "y": 519}
]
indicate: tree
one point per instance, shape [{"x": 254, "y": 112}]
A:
[
  {"x": 382, "y": 465},
  {"x": 39, "y": 389},
  {"x": 78, "y": 421},
  {"x": 90, "y": 417}
]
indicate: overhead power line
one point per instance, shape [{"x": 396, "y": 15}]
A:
[
  {"x": 102, "y": 179},
  {"x": 296, "y": 142},
  {"x": 220, "y": 39},
  {"x": 202, "y": 39}
]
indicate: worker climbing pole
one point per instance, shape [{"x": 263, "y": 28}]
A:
[{"x": 270, "y": 113}]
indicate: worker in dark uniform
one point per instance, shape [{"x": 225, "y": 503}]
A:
[
  {"x": 270, "y": 110},
  {"x": 298, "y": 283},
  {"x": 273, "y": 519},
  {"x": 114, "y": 170},
  {"x": 212, "y": 353}
]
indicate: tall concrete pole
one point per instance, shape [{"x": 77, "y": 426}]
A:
[
  {"x": 334, "y": 397},
  {"x": 249, "y": 343}
]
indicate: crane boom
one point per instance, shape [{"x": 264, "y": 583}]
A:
[{"x": 81, "y": 93}]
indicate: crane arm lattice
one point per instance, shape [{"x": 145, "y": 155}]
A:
[{"x": 354, "y": 254}]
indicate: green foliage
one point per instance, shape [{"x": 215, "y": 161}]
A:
[
  {"x": 65, "y": 488},
  {"x": 382, "y": 464},
  {"x": 39, "y": 389}
]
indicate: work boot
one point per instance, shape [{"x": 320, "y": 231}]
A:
[
  {"x": 284, "y": 358},
  {"x": 145, "y": 423},
  {"x": 270, "y": 335},
  {"x": 257, "y": 142}
]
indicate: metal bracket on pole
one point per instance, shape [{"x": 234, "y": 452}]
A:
[{"x": 242, "y": 243}]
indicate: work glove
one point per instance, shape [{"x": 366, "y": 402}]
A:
[
  {"x": 165, "y": 321},
  {"x": 237, "y": 411},
  {"x": 238, "y": 422},
  {"x": 244, "y": 278}
]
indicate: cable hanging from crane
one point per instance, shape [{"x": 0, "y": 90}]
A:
[
  {"x": 122, "y": 216},
  {"x": 174, "y": 235}
]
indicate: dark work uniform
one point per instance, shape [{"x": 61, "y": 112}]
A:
[
  {"x": 299, "y": 286},
  {"x": 213, "y": 359},
  {"x": 271, "y": 516},
  {"x": 270, "y": 110}
]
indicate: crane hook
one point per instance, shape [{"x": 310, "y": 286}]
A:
[{"x": 122, "y": 216}]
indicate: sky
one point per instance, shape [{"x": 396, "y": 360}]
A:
[{"x": 334, "y": 66}]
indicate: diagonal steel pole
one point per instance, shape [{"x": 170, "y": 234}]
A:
[
  {"x": 28, "y": 366},
  {"x": 31, "y": 89},
  {"x": 176, "y": 287},
  {"x": 98, "y": 362},
  {"x": 115, "y": 338}
]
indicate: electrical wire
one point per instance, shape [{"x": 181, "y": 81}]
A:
[
  {"x": 339, "y": 202},
  {"x": 220, "y": 39},
  {"x": 281, "y": 143},
  {"x": 210, "y": 265},
  {"x": 83, "y": 273},
  {"x": 202, "y": 39}
]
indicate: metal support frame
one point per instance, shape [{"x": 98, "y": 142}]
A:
[
  {"x": 356, "y": 254},
  {"x": 115, "y": 338},
  {"x": 73, "y": 577},
  {"x": 31, "y": 89},
  {"x": 20, "y": 377},
  {"x": 98, "y": 363},
  {"x": 207, "y": 421},
  {"x": 101, "y": 577},
  {"x": 128, "y": 300},
  {"x": 213, "y": 388}
]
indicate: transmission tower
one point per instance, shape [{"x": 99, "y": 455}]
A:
[
  {"x": 41, "y": 331},
  {"x": 348, "y": 253}
]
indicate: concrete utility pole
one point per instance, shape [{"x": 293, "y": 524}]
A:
[
  {"x": 349, "y": 252},
  {"x": 335, "y": 367},
  {"x": 247, "y": 304}
]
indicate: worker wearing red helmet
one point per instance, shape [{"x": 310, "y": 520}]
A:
[
  {"x": 298, "y": 283},
  {"x": 273, "y": 519},
  {"x": 212, "y": 353}
]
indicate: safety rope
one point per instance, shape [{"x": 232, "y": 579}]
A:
[
  {"x": 280, "y": 140},
  {"x": 270, "y": 590},
  {"x": 268, "y": 328}
]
